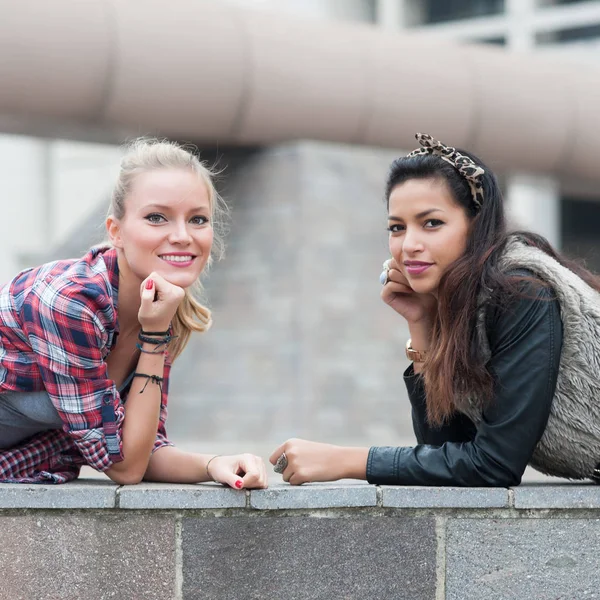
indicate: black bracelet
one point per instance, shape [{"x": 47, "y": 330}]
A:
[
  {"x": 161, "y": 333},
  {"x": 156, "y": 341},
  {"x": 154, "y": 378},
  {"x": 157, "y": 350}
]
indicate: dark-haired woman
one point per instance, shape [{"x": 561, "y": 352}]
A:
[{"x": 504, "y": 341}]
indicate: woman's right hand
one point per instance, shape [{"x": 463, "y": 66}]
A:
[
  {"x": 398, "y": 294},
  {"x": 160, "y": 300}
]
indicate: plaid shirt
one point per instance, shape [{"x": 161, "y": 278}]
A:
[{"x": 58, "y": 323}]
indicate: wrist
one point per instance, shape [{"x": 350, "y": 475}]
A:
[
  {"x": 155, "y": 328},
  {"x": 420, "y": 334},
  {"x": 207, "y": 469},
  {"x": 353, "y": 462}
]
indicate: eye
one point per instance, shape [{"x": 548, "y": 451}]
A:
[
  {"x": 396, "y": 228},
  {"x": 155, "y": 218},
  {"x": 433, "y": 223},
  {"x": 199, "y": 220}
]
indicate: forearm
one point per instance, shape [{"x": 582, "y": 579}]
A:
[
  {"x": 142, "y": 411},
  {"x": 172, "y": 465},
  {"x": 452, "y": 464}
]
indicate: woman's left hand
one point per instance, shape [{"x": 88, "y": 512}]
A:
[
  {"x": 311, "y": 461},
  {"x": 239, "y": 471}
]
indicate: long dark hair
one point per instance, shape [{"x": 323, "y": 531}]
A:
[{"x": 455, "y": 369}]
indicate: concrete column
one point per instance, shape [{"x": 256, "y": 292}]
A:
[
  {"x": 83, "y": 178},
  {"x": 533, "y": 203},
  {"x": 24, "y": 190},
  {"x": 520, "y": 30},
  {"x": 394, "y": 15}
]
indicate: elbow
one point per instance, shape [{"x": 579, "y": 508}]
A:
[
  {"x": 127, "y": 479},
  {"x": 510, "y": 480},
  {"x": 501, "y": 482},
  {"x": 125, "y": 476},
  {"x": 501, "y": 479}
]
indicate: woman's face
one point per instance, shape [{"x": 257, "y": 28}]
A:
[
  {"x": 166, "y": 227},
  {"x": 428, "y": 231}
]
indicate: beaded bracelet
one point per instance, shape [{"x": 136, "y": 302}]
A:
[{"x": 154, "y": 378}]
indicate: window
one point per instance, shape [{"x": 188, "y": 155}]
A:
[
  {"x": 566, "y": 36},
  {"x": 559, "y": 2},
  {"x": 580, "y": 225},
  {"x": 495, "y": 41},
  {"x": 439, "y": 11}
]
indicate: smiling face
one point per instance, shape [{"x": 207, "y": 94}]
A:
[
  {"x": 428, "y": 231},
  {"x": 166, "y": 227}
]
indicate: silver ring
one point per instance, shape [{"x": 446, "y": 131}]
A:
[
  {"x": 385, "y": 274},
  {"x": 281, "y": 464}
]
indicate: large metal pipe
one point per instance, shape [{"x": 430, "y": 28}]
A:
[{"x": 217, "y": 73}]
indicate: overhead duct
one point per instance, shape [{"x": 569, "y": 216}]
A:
[{"x": 217, "y": 73}]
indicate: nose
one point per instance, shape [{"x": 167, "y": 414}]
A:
[
  {"x": 412, "y": 243},
  {"x": 180, "y": 234}
]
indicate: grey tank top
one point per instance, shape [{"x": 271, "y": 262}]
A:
[{"x": 24, "y": 414}]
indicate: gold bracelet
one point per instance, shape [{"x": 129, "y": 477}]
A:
[
  {"x": 417, "y": 356},
  {"x": 208, "y": 463}
]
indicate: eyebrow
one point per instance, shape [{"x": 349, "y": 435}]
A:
[
  {"x": 418, "y": 215},
  {"x": 167, "y": 208}
]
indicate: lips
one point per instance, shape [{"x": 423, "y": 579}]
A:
[{"x": 416, "y": 267}]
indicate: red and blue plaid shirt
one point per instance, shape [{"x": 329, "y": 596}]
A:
[{"x": 58, "y": 323}]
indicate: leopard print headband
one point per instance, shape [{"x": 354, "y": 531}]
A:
[{"x": 463, "y": 164}]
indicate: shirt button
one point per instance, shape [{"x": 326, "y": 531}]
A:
[{"x": 107, "y": 401}]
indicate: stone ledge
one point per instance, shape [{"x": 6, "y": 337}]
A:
[
  {"x": 564, "y": 495},
  {"x": 100, "y": 494},
  {"x": 444, "y": 497},
  {"x": 179, "y": 496},
  {"x": 322, "y": 540},
  {"x": 82, "y": 493},
  {"x": 315, "y": 495}
]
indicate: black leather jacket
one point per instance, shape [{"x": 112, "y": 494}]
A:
[{"x": 526, "y": 341}]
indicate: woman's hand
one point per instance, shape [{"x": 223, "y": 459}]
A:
[
  {"x": 160, "y": 300},
  {"x": 313, "y": 461},
  {"x": 398, "y": 294},
  {"x": 239, "y": 471}
]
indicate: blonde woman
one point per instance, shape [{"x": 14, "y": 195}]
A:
[{"x": 86, "y": 345}]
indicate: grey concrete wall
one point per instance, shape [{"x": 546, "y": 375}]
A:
[
  {"x": 349, "y": 540},
  {"x": 302, "y": 344}
]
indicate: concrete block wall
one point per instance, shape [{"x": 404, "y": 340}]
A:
[{"x": 95, "y": 540}]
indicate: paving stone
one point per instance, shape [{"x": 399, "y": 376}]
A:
[
  {"x": 314, "y": 495},
  {"x": 308, "y": 558},
  {"x": 164, "y": 496},
  {"x": 443, "y": 497},
  {"x": 502, "y": 559},
  {"x": 70, "y": 557},
  {"x": 564, "y": 495},
  {"x": 75, "y": 494}
]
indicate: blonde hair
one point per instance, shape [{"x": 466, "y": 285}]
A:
[{"x": 149, "y": 154}]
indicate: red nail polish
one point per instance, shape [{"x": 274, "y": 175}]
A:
[
  {"x": 149, "y": 284},
  {"x": 238, "y": 484}
]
